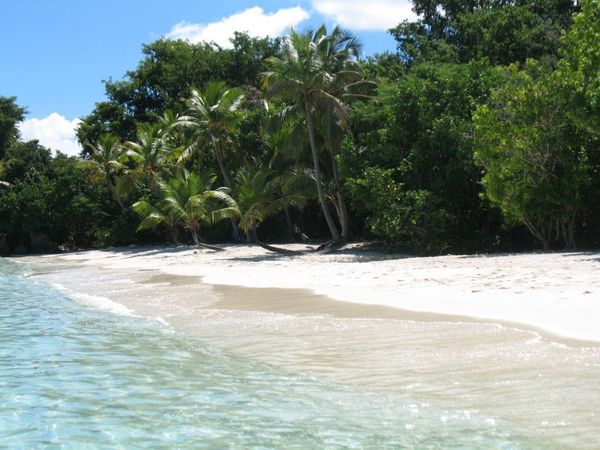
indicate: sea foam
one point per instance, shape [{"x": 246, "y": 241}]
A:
[{"x": 95, "y": 301}]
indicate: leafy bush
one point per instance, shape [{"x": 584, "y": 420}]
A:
[{"x": 413, "y": 219}]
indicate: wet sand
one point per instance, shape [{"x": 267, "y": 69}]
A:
[{"x": 305, "y": 302}]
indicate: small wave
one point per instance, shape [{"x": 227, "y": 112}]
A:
[
  {"x": 160, "y": 320},
  {"x": 95, "y": 301},
  {"x": 102, "y": 303}
]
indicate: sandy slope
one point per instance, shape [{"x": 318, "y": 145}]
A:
[{"x": 557, "y": 292}]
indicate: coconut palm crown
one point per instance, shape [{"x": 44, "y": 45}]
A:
[
  {"x": 105, "y": 162},
  {"x": 262, "y": 193},
  {"x": 212, "y": 115},
  {"x": 190, "y": 201},
  {"x": 151, "y": 153}
]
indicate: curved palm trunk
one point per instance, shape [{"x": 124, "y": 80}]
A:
[
  {"x": 279, "y": 250},
  {"x": 219, "y": 156},
  {"x": 335, "y": 234},
  {"x": 330, "y": 247},
  {"x": 290, "y": 226},
  {"x": 341, "y": 204},
  {"x": 199, "y": 243},
  {"x": 113, "y": 192},
  {"x": 227, "y": 181}
]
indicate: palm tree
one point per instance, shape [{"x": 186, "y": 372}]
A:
[
  {"x": 105, "y": 162},
  {"x": 341, "y": 49},
  {"x": 189, "y": 199},
  {"x": 168, "y": 120},
  {"x": 154, "y": 215},
  {"x": 212, "y": 115},
  {"x": 151, "y": 154},
  {"x": 312, "y": 74},
  {"x": 297, "y": 182},
  {"x": 286, "y": 144},
  {"x": 176, "y": 141},
  {"x": 262, "y": 194}
]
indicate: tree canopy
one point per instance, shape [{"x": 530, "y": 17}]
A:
[
  {"x": 480, "y": 133},
  {"x": 10, "y": 115}
]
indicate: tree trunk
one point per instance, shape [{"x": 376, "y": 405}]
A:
[
  {"x": 174, "y": 235},
  {"x": 219, "y": 156},
  {"x": 344, "y": 220},
  {"x": 201, "y": 244},
  {"x": 568, "y": 234},
  {"x": 571, "y": 233},
  {"x": 341, "y": 204},
  {"x": 335, "y": 234},
  {"x": 290, "y": 226},
  {"x": 330, "y": 246},
  {"x": 279, "y": 250},
  {"x": 227, "y": 181},
  {"x": 113, "y": 192},
  {"x": 537, "y": 233},
  {"x": 251, "y": 234},
  {"x": 236, "y": 230}
]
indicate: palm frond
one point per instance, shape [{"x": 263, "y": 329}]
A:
[
  {"x": 285, "y": 88},
  {"x": 221, "y": 214},
  {"x": 331, "y": 104},
  {"x": 151, "y": 221},
  {"x": 86, "y": 164}
]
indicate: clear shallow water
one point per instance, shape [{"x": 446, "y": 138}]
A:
[{"x": 76, "y": 376}]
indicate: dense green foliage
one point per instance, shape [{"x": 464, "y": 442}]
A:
[
  {"x": 187, "y": 200},
  {"x": 481, "y": 133},
  {"x": 165, "y": 77},
  {"x": 48, "y": 201},
  {"x": 10, "y": 115},
  {"x": 537, "y": 140},
  {"x": 503, "y": 31},
  {"x": 535, "y": 160},
  {"x": 416, "y": 136},
  {"x": 579, "y": 67}
]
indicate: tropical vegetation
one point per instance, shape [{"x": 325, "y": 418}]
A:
[{"x": 480, "y": 133}]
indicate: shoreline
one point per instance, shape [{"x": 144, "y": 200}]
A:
[
  {"x": 352, "y": 310},
  {"x": 556, "y": 295}
]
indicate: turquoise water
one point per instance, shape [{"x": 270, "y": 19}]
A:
[{"x": 77, "y": 377}]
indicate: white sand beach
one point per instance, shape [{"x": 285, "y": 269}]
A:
[{"x": 557, "y": 293}]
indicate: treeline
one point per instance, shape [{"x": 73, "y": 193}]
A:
[{"x": 481, "y": 133}]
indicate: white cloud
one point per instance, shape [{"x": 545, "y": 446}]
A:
[
  {"x": 55, "y": 132},
  {"x": 366, "y": 15},
  {"x": 253, "y": 21}
]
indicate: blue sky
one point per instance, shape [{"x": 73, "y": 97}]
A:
[{"x": 55, "y": 53}]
